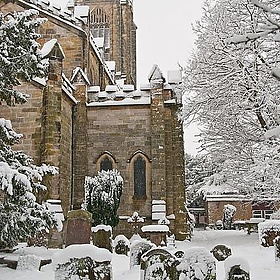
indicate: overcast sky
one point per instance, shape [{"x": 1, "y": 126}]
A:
[{"x": 164, "y": 34}]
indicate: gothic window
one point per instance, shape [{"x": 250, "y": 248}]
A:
[
  {"x": 106, "y": 164},
  {"x": 139, "y": 177},
  {"x": 100, "y": 26}
]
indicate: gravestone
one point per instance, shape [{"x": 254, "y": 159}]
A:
[
  {"x": 197, "y": 263},
  {"x": 28, "y": 262},
  {"x": 102, "y": 237},
  {"x": 158, "y": 264},
  {"x": 237, "y": 269},
  {"x": 121, "y": 245},
  {"x": 221, "y": 252},
  {"x": 83, "y": 261},
  {"x": 55, "y": 239},
  {"x": 78, "y": 227},
  {"x": 137, "y": 249}
]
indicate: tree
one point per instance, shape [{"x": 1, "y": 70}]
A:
[
  {"x": 102, "y": 197},
  {"x": 20, "y": 215},
  {"x": 19, "y": 53},
  {"x": 231, "y": 92}
]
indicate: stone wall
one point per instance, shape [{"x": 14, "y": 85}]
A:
[{"x": 215, "y": 210}]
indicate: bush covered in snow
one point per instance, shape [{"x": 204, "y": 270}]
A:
[
  {"x": 229, "y": 211},
  {"x": 137, "y": 249},
  {"x": 121, "y": 245},
  {"x": 102, "y": 197},
  {"x": 268, "y": 230}
]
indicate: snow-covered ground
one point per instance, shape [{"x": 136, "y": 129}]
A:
[{"x": 261, "y": 260}]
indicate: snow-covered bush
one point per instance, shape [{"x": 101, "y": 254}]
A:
[
  {"x": 197, "y": 264},
  {"x": 102, "y": 197},
  {"x": 268, "y": 231},
  {"x": 228, "y": 211}
]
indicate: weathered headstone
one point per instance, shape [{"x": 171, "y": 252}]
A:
[
  {"x": 102, "y": 237},
  {"x": 237, "y": 269},
  {"x": 221, "y": 252},
  {"x": 78, "y": 227},
  {"x": 137, "y": 249},
  {"x": 121, "y": 245},
  {"x": 28, "y": 262},
  {"x": 83, "y": 262},
  {"x": 55, "y": 239},
  {"x": 156, "y": 233},
  {"x": 197, "y": 262},
  {"x": 158, "y": 264}
]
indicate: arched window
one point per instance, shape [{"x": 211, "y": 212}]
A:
[
  {"x": 139, "y": 177},
  {"x": 106, "y": 164}
]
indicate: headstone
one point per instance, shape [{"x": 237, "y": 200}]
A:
[
  {"x": 237, "y": 269},
  {"x": 221, "y": 252},
  {"x": 28, "y": 262},
  {"x": 121, "y": 245},
  {"x": 102, "y": 237},
  {"x": 197, "y": 263},
  {"x": 83, "y": 262},
  {"x": 55, "y": 239},
  {"x": 78, "y": 228},
  {"x": 158, "y": 264},
  {"x": 137, "y": 249}
]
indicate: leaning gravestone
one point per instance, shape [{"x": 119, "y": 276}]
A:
[
  {"x": 78, "y": 227},
  {"x": 102, "y": 237},
  {"x": 237, "y": 269},
  {"x": 158, "y": 264}
]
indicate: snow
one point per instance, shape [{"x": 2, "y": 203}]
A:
[
  {"x": 101, "y": 227},
  {"x": 81, "y": 251},
  {"x": 155, "y": 228},
  {"x": 247, "y": 247}
]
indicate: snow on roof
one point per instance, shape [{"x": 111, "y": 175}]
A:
[
  {"x": 111, "y": 65},
  {"x": 101, "y": 227},
  {"x": 155, "y": 74},
  {"x": 174, "y": 76},
  {"x": 144, "y": 100},
  {"x": 155, "y": 228},
  {"x": 81, "y": 12},
  {"x": 48, "y": 47},
  {"x": 99, "y": 41},
  {"x": 81, "y": 251},
  {"x": 79, "y": 71}
]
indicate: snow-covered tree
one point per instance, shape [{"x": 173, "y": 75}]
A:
[
  {"x": 20, "y": 215},
  {"x": 102, "y": 197},
  {"x": 19, "y": 53},
  {"x": 232, "y": 94}
]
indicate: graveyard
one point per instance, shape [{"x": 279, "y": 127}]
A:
[{"x": 93, "y": 253}]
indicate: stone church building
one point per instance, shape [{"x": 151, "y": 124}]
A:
[{"x": 87, "y": 115}]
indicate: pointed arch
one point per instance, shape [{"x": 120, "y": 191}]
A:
[
  {"x": 139, "y": 170},
  {"x": 106, "y": 161}
]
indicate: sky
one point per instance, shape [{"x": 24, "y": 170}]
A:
[{"x": 165, "y": 38}]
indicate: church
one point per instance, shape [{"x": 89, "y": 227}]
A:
[{"x": 88, "y": 115}]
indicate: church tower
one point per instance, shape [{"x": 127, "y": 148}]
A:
[{"x": 111, "y": 24}]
